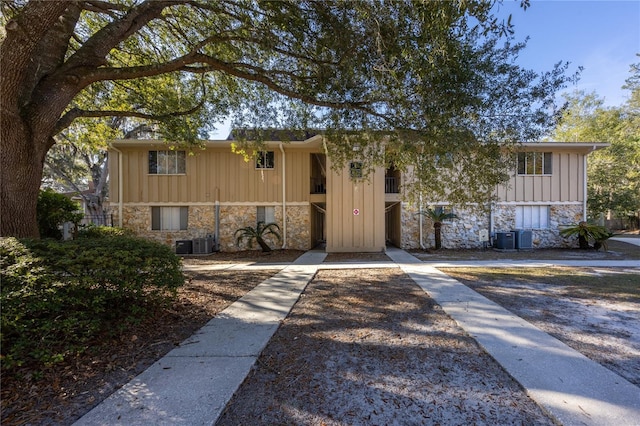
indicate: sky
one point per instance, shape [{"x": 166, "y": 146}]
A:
[{"x": 601, "y": 36}]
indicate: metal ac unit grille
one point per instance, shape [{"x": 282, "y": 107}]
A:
[
  {"x": 505, "y": 240},
  {"x": 203, "y": 245},
  {"x": 524, "y": 239}
]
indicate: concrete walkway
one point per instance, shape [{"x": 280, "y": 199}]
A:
[
  {"x": 631, "y": 239},
  {"x": 571, "y": 387},
  {"x": 192, "y": 384}
]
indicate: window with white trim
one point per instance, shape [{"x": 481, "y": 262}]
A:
[
  {"x": 266, "y": 214},
  {"x": 169, "y": 218},
  {"x": 265, "y": 160},
  {"x": 444, "y": 210},
  {"x": 534, "y": 163},
  {"x": 167, "y": 162},
  {"x": 532, "y": 217},
  {"x": 443, "y": 161}
]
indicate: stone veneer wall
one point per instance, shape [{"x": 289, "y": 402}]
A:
[
  {"x": 560, "y": 215},
  {"x": 201, "y": 223},
  {"x": 299, "y": 227},
  {"x": 459, "y": 233},
  {"x": 236, "y": 217},
  {"x": 410, "y": 227},
  {"x": 464, "y": 232}
]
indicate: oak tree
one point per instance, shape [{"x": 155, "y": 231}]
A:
[{"x": 425, "y": 79}]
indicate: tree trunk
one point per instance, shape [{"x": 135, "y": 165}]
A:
[
  {"x": 21, "y": 164},
  {"x": 437, "y": 231},
  {"x": 583, "y": 243},
  {"x": 265, "y": 247}
]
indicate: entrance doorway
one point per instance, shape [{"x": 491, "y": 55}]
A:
[
  {"x": 318, "y": 220},
  {"x": 393, "y": 222}
]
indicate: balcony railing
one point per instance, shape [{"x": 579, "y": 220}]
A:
[
  {"x": 105, "y": 219},
  {"x": 318, "y": 185},
  {"x": 391, "y": 185}
]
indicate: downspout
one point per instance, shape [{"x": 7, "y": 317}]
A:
[
  {"x": 217, "y": 219},
  {"x": 284, "y": 199},
  {"x": 584, "y": 186},
  {"x": 120, "y": 184},
  {"x": 491, "y": 220},
  {"x": 420, "y": 221}
]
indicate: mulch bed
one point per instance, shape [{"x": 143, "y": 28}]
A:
[
  {"x": 370, "y": 347},
  {"x": 61, "y": 394}
]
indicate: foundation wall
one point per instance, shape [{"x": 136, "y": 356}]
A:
[
  {"x": 464, "y": 232},
  {"x": 201, "y": 223}
]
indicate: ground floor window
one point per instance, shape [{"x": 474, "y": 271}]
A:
[
  {"x": 169, "y": 218},
  {"x": 444, "y": 210},
  {"x": 532, "y": 217},
  {"x": 266, "y": 214}
]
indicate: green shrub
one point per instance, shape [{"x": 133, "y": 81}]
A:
[
  {"x": 587, "y": 232},
  {"x": 53, "y": 210},
  {"x": 99, "y": 231},
  {"x": 58, "y": 296}
]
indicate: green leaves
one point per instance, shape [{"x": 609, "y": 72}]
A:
[
  {"x": 258, "y": 235},
  {"x": 57, "y": 296},
  {"x": 432, "y": 76},
  {"x": 53, "y": 210},
  {"x": 614, "y": 173}
]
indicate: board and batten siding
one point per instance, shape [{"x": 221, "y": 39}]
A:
[
  {"x": 564, "y": 184},
  {"x": 346, "y": 231},
  {"x": 211, "y": 175}
]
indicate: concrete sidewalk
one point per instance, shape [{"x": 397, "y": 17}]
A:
[
  {"x": 571, "y": 387},
  {"x": 192, "y": 384},
  {"x": 631, "y": 239}
]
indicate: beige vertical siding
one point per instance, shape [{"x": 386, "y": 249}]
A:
[
  {"x": 564, "y": 184},
  {"x": 349, "y": 232},
  {"x": 213, "y": 174}
]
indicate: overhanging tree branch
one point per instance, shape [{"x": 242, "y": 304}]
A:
[{"x": 75, "y": 113}]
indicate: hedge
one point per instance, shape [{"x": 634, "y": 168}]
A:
[{"x": 57, "y": 296}]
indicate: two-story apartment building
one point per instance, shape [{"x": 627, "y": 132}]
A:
[{"x": 171, "y": 195}]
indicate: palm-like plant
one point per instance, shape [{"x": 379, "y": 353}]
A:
[
  {"x": 438, "y": 216},
  {"x": 585, "y": 232},
  {"x": 258, "y": 233}
]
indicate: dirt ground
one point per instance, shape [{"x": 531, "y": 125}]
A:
[
  {"x": 602, "y": 325},
  {"x": 370, "y": 347},
  {"x": 617, "y": 250},
  {"x": 61, "y": 394},
  {"x": 437, "y": 348}
]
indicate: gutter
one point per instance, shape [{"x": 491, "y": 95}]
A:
[
  {"x": 120, "y": 184},
  {"x": 284, "y": 198}
]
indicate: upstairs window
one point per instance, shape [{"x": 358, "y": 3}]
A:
[
  {"x": 265, "y": 160},
  {"x": 534, "y": 163},
  {"x": 444, "y": 160},
  {"x": 167, "y": 162}
]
